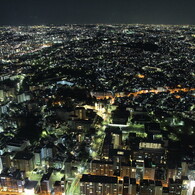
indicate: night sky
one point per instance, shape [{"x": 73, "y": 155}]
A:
[{"x": 32, "y": 12}]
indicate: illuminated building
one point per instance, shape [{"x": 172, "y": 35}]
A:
[
  {"x": 47, "y": 152},
  {"x": 153, "y": 145},
  {"x": 2, "y": 95},
  {"x": 80, "y": 124},
  {"x": 99, "y": 185},
  {"x": 150, "y": 149},
  {"x": 100, "y": 105},
  {"x": 23, "y": 97},
  {"x": 192, "y": 187},
  {"x": 171, "y": 173},
  {"x": 37, "y": 157},
  {"x": 185, "y": 185},
  {"x": 175, "y": 186},
  {"x": 130, "y": 187},
  {"x": 184, "y": 168},
  {"x": 117, "y": 139},
  {"x": 146, "y": 187},
  {"x": 80, "y": 112},
  {"x": 98, "y": 167},
  {"x": 107, "y": 145},
  {"x": 148, "y": 171},
  {"x": 4, "y": 108},
  {"x": 158, "y": 189},
  {"x": 46, "y": 183},
  {"x": 120, "y": 158},
  {"x": 24, "y": 161},
  {"x": 5, "y": 161},
  {"x": 31, "y": 187},
  {"x": 11, "y": 180},
  {"x": 128, "y": 170},
  {"x": 108, "y": 168}
]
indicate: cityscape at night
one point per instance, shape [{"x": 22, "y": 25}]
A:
[{"x": 102, "y": 109}]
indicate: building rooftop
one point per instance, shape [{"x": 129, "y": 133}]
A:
[
  {"x": 23, "y": 156},
  {"x": 98, "y": 179},
  {"x": 30, "y": 184}
]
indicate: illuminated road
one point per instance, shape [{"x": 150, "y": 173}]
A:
[
  {"x": 96, "y": 146},
  {"x": 158, "y": 91},
  {"x": 121, "y": 94},
  {"x": 74, "y": 188}
]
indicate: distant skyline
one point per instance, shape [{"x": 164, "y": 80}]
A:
[{"x": 33, "y": 12}]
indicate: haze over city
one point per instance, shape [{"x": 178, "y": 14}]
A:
[{"x": 34, "y": 12}]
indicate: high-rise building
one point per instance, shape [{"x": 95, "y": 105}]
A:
[
  {"x": 130, "y": 187},
  {"x": 24, "y": 161},
  {"x": 46, "y": 183},
  {"x": 175, "y": 186},
  {"x": 98, "y": 185}
]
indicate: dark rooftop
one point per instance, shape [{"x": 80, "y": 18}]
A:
[
  {"x": 98, "y": 179},
  {"x": 23, "y": 156}
]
